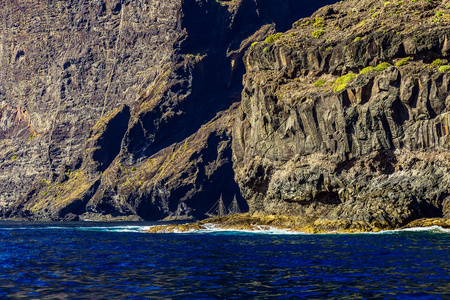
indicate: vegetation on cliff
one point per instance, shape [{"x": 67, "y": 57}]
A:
[
  {"x": 113, "y": 109},
  {"x": 139, "y": 111},
  {"x": 349, "y": 127}
]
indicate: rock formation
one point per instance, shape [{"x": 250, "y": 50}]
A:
[
  {"x": 132, "y": 110},
  {"x": 344, "y": 119},
  {"x": 124, "y": 108}
]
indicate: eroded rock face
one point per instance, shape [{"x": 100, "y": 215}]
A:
[
  {"x": 92, "y": 91},
  {"x": 68, "y": 64},
  {"x": 365, "y": 153}
]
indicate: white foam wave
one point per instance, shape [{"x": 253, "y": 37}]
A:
[
  {"x": 257, "y": 229},
  {"x": 130, "y": 228},
  {"x": 264, "y": 229},
  {"x": 211, "y": 228},
  {"x": 434, "y": 228}
]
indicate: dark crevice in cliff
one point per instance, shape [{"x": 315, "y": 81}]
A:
[
  {"x": 424, "y": 209},
  {"x": 19, "y": 54},
  {"x": 196, "y": 198},
  {"x": 108, "y": 145},
  {"x": 400, "y": 112},
  {"x": 327, "y": 197},
  {"x": 216, "y": 184},
  {"x": 206, "y": 78},
  {"x": 324, "y": 197},
  {"x": 212, "y": 31},
  {"x": 387, "y": 132}
]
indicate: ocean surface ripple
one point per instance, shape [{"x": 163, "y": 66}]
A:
[{"x": 116, "y": 261}]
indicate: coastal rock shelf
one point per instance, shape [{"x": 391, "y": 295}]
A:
[
  {"x": 292, "y": 224},
  {"x": 344, "y": 119}
]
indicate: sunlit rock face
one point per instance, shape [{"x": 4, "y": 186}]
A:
[
  {"x": 344, "y": 119},
  {"x": 99, "y": 100}
]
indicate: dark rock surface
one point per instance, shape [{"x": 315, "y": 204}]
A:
[
  {"x": 366, "y": 153},
  {"x": 131, "y": 110},
  {"x": 122, "y": 109}
]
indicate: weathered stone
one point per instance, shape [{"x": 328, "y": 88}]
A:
[
  {"x": 369, "y": 155},
  {"x": 91, "y": 87}
]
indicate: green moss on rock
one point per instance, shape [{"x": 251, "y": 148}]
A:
[
  {"x": 445, "y": 68},
  {"x": 403, "y": 62},
  {"x": 341, "y": 82},
  {"x": 382, "y": 66},
  {"x": 319, "y": 83},
  {"x": 437, "y": 62},
  {"x": 318, "y": 33},
  {"x": 272, "y": 38},
  {"x": 366, "y": 70}
]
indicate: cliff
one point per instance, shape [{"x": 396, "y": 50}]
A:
[
  {"x": 123, "y": 109},
  {"x": 134, "y": 110},
  {"x": 344, "y": 119}
]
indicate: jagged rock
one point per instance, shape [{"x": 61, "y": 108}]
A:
[
  {"x": 93, "y": 87},
  {"x": 71, "y": 217},
  {"x": 444, "y": 223},
  {"x": 365, "y": 151}
]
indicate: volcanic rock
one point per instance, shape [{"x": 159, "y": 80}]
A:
[
  {"x": 344, "y": 118},
  {"x": 92, "y": 92}
]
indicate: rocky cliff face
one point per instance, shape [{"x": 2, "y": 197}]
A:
[
  {"x": 66, "y": 65},
  {"x": 344, "y": 119},
  {"x": 124, "y": 108}
]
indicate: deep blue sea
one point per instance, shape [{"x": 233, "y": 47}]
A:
[{"x": 119, "y": 261}]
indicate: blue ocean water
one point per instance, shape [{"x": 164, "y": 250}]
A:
[{"x": 119, "y": 261}]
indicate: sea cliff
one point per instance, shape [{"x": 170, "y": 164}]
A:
[
  {"x": 123, "y": 110},
  {"x": 344, "y": 119},
  {"x": 138, "y": 110},
  {"x": 343, "y": 124}
]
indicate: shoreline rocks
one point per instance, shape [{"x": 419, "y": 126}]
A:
[{"x": 248, "y": 222}]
